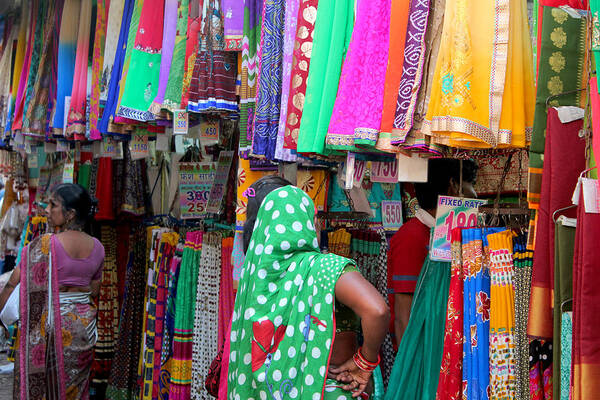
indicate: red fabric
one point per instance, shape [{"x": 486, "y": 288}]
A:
[
  {"x": 123, "y": 232},
  {"x": 450, "y": 382},
  {"x": 408, "y": 249},
  {"x": 226, "y": 295},
  {"x": 564, "y": 160},
  {"x": 104, "y": 189}
]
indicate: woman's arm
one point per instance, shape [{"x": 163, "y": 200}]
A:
[
  {"x": 357, "y": 293},
  {"x": 13, "y": 281}
]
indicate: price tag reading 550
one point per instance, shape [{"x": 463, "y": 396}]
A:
[{"x": 452, "y": 212}]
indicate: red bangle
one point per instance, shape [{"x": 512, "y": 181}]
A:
[{"x": 364, "y": 364}]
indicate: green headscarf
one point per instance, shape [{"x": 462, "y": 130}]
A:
[{"x": 283, "y": 321}]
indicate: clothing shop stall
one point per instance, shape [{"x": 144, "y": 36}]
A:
[{"x": 169, "y": 111}]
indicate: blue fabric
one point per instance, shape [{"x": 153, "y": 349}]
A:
[{"x": 115, "y": 77}]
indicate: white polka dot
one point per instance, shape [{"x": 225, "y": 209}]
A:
[
  {"x": 317, "y": 396},
  {"x": 289, "y": 208},
  {"x": 302, "y": 350},
  {"x": 247, "y": 358},
  {"x": 287, "y": 285},
  {"x": 261, "y": 299},
  {"x": 318, "y": 308},
  {"x": 305, "y": 201},
  {"x": 301, "y": 242},
  {"x": 292, "y": 267},
  {"x": 309, "y": 379},
  {"x": 322, "y": 370},
  {"x": 278, "y": 320},
  {"x": 251, "y": 246},
  {"x": 285, "y": 245},
  {"x": 315, "y": 243},
  {"x": 249, "y": 313},
  {"x": 322, "y": 328},
  {"x": 263, "y": 394},
  {"x": 311, "y": 335},
  {"x": 275, "y": 214},
  {"x": 262, "y": 273},
  {"x": 297, "y": 226},
  {"x": 272, "y": 287},
  {"x": 293, "y": 393},
  {"x": 328, "y": 344},
  {"x": 276, "y": 265},
  {"x": 287, "y": 256},
  {"x": 261, "y": 377},
  {"x": 309, "y": 225},
  {"x": 252, "y": 268},
  {"x": 310, "y": 281},
  {"x": 269, "y": 249},
  {"x": 277, "y": 355},
  {"x": 290, "y": 331},
  {"x": 292, "y": 354},
  {"x": 269, "y": 205},
  {"x": 267, "y": 231},
  {"x": 328, "y": 298},
  {"x": 277, "y": 375},
  {"x": 316, "y": 353},
  {"x": 283, "y": 302},
  {"x": 298, "y": 280},
  {"x": 273, "y": 307},
  {"x": 237, "y": 397},
  {"x": 233, "y": 336},
  {"x": 241, "y": 379},
  {"x": 280, "y": 228},
  {"x": 259, "y": 249},
  {"x": 283, "y": 194}
]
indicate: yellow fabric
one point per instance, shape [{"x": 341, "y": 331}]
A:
[{"x": 483, "y": 91}]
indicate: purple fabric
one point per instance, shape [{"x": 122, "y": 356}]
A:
[
  {"x": 168, "y": 45},
  {"x": 78, "y": 272},
  {"x": 289, "y": 38},
  {"x": 412, "y": 70},
  {"x": 233, "y": 24}
]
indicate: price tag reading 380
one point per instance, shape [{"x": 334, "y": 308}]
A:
[
  {"x": 452, "y": 212},
  {"x": 195, "y": 182}
]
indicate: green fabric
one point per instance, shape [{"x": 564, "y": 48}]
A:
[
  {"x": 564, "y": 240},
  {"x": 141, "y": 85},
  {"x": 83, "y": 175},
  {"x": 595, "y": 9},
  {"x": 175, "y": 83},
  {"x": 561, "y": 69},
  {"x": 333, "y": 30},
  {"x": 282, "y": 325},
  {"x": 417, "y": 368}
]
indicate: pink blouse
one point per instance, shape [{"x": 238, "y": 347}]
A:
[{"x": 78, "y": 271}]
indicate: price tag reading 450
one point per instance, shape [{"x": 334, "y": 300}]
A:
[{"x": 452, "y": 212}]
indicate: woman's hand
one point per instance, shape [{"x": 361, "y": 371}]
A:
[{"x": 354, "y": 378}]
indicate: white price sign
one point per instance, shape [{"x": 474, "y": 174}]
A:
[{"x": 384, "y": 172}]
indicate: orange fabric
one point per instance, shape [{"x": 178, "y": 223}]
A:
[{"x": 398, "y": 24}]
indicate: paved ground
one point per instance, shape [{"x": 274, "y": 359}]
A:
[{"x": 6, "y": 380}]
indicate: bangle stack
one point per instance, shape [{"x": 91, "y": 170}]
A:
[{"x": 363, "y": 364}]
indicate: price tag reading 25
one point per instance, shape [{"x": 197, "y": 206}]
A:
[
  {"x": 452, "y": 212},
  {"x": 195, "y": 182}
]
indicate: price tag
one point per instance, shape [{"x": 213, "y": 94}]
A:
[
  {"x": 209, "y": 130},
  {"x": 391, "y": 214},
  {"x": 66, "y": 115},
  {"x": 62, "y": 146},
  {"x": 195, "y": 182},
  {"x": 138, "y": 146},
  {"x": 350, "y": 160},
  {"x": 220, "y": 183},
  {"x": 452, "y": 212},
  {"x": 32, "y": 161},
  {"x": 384, "y": 172},
  {"x": 109, "y": 147},
  {"x": 68, "y": 173},
  {"x": 180, "y": 122},
  {"x": 360, "y": 169}
]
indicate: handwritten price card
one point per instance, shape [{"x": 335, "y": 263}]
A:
[
  {"x": 391, "y": 214},
  {"x": 109, "y": 147},
  {"x": 452, "y": 212},
  {"x": 195, "y": 182},
  {"x": 384, "y": 172},
  {"x": 180, "y": 122},
  {"x": 209, "y": 130},
  {"x": 218, "y": 188},
  {"x": 68, "y": 173},
  {"x": 138, "y": 146}
]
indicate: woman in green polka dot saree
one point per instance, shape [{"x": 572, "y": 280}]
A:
[{"x": 283, "y": 334}]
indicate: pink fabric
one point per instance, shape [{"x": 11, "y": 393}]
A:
[
  {"x": 78, "y": 271},
  {"x": 224, "y": 367},
  {"x": 226, "y": 295},
  {"x": 359, "y": 103},
  {"x": 595, "y": 97}
]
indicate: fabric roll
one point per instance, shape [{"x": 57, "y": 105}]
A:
[
  {"x": 417, "y": 367},
  {"x": 356, "y": 116},
  {"x": 564, "y": 160},
  {"x": 561, "y": 69}
]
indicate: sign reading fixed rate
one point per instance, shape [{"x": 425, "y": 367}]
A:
[
  {"x": 452, "y": 212},
  {"x": 195, "y": 182}
]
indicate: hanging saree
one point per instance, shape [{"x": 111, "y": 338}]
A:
[
  {"x": 502, "y": 317},
  {"x": 561, "y": 69},
  {"x": 450, "y": 381},
  {"x": 55, "y": 351},
  {"x": 564, "y": 160},
  {"x": 417, "y": 368},
  {"x": 356, "y": 116},
  {"x": 123, "y": 382},
  {"x": 10, "y": 38},
  {"x": 292, "y": 335},
  {"x": 174, "y": 88},
  {"x": 398, "y": 23},
  {"x": 181, "y": 376},
  {"x": 269, "y": 80},
  {"x": 206, "y": 321},
  {"x": 333, "y": 30},
  {"x": 76, "y": 119},
  {"x": 289, "y": 39},
  {"x": 97, "y": 69},
  {"x": 191, "y": 49},
  {"x": 226, "y": 293},
  {"x": 113, "y": 27},
  {"x": 305, "y": 24},
  {"x": 250, "y": 59},
  {"x": 586, "y": 344},
  {"x": 143, "y": 67},
  {"x": 491, "y": 104}
]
